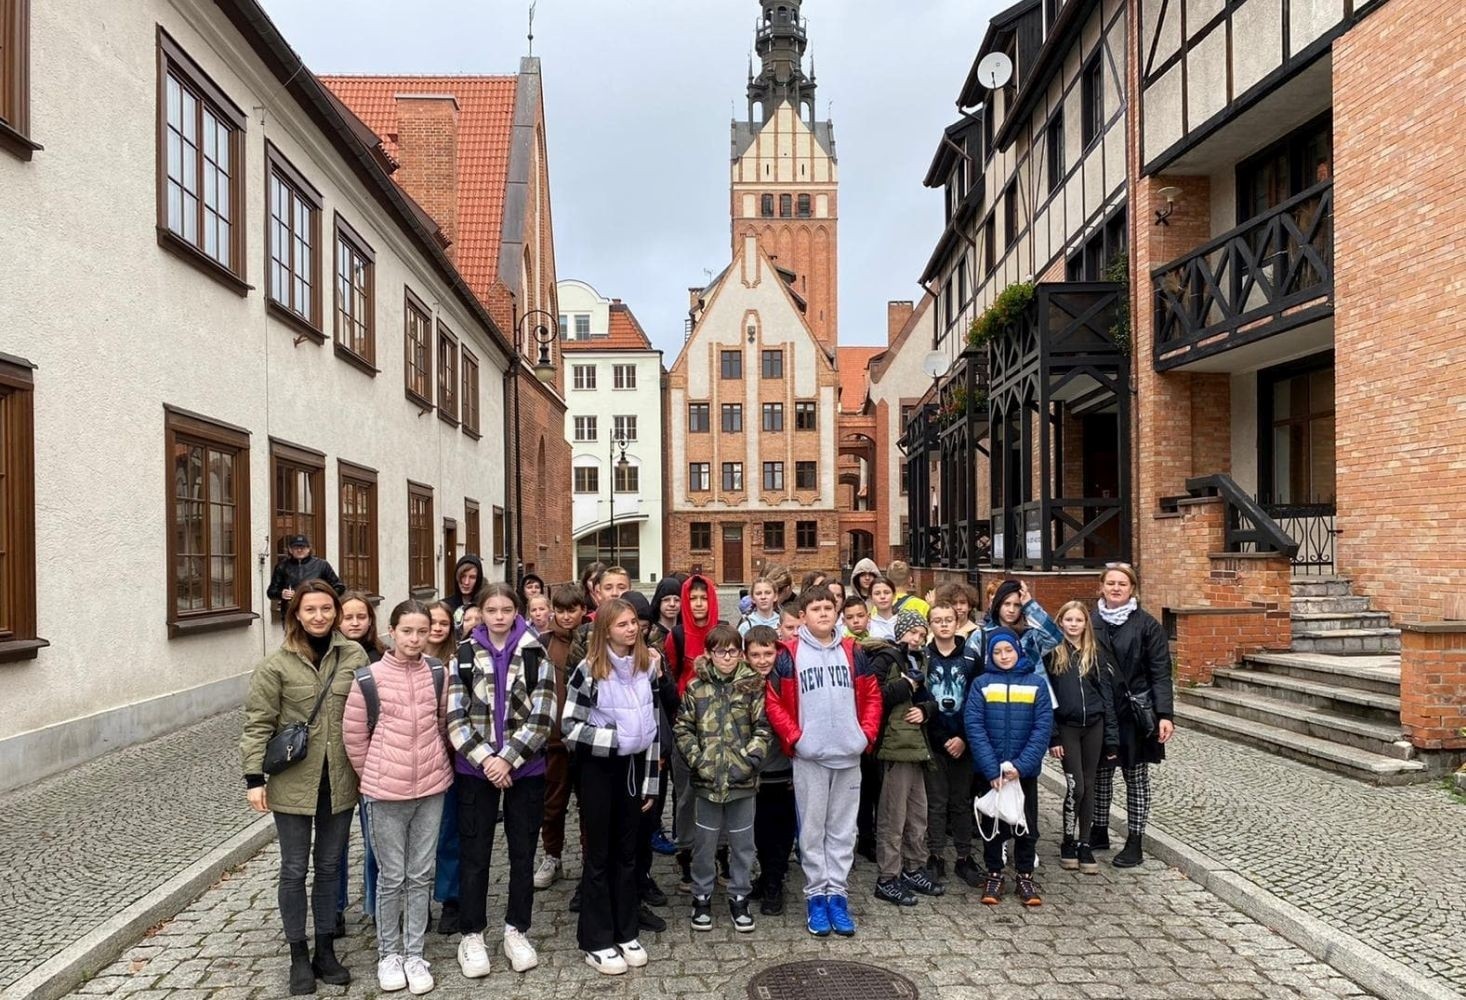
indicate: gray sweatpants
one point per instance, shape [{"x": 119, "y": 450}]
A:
[
  {"x": 827, "y": 800},
  {"x": 405, "y": 842},
  {"x": 729, "y": 821}
]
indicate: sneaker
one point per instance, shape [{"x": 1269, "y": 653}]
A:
[
  {"x": 448, "y": 920},
  {"x": 648, "y": 920},
  {"x": 684, "y": 865},
  {"x": 547, "y": 872},
  {"x": 632, "y": 953},
  {"x": 702, "y": 913},
  {"x": 773, "y": 901},
  {"x": 992, "y": 889},
  {"x": 817, "y": 918},
  {"x": 473, "y": 957},
  {"x": 575, "y": 899},
  {"x": 1085, "y": 860},
  {"x": 936, "y": 867},
  {"x": 419, "y": 978},
  {"x": 894, "y": 891},
  {"x": 521, "y": 954},
  {"x": 969, "y": 872},
  {"x": 841, "y": 922},
  {"x": 919, "y": 881},
  {"x": 738, "y": 909},
  {"x": 1069, "y": 855},
  {"x": 663, "y": 844},
  {"x": 1028, "y": 890},
  {"x": 390, "y": 977},
  {"x": 1099, "y": 838},
  {"x": 607, "y": 961},
  {"x": 1132, "y": 854},
  {"x": 651, "y": 893}
]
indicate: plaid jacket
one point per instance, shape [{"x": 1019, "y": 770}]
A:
[
  {"x": 527, "y": 717},
  {"x": 600, "y": 741}
]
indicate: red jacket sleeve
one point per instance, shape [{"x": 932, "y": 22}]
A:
[
  {"x": 868, "y": 708},
  {"x": 781, "y": 704}
]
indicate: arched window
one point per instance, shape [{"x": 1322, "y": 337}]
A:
[
  {"x": 786, "y": 206},
  {"x": 766, "y": 206},
  {"x": 804, "y": 206}
]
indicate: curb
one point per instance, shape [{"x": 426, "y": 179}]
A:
[
  {"x": 1370, "y": 968},
  {"x": 74, "y": 964}
]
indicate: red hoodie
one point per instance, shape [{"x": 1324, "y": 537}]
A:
[{"x": 694, "y": 637}]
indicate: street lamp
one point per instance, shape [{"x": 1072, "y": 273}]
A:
[
  {"x": 543, "y": 327},
  {"x": 617, "y": 444}
]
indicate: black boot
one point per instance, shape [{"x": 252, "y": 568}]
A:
[
  {"x": 339, "y": 931},
  {"x": 1131, "y": 855},
  {"x": 327, "y": 966},
  {"x": 773, "y": 899},
  {"x": 302, "y": 976},
  {"x": 448, "y": 919},
  {"x": 1099, "y": 838},
  {"x": 684, "y": 864},
  {"x": 1069, "y": 855}
]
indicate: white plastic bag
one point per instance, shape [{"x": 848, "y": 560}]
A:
[{"x": 1005, "y": 804}]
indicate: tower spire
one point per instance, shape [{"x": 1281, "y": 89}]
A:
[{"x": 781, "y": 41}]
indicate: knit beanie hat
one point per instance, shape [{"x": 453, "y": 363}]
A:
[
  {"x": 640, "y": 605},
  {"x": 908, "y": 620}
]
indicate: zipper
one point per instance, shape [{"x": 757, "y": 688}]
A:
[{"x": 412, "y": 700}]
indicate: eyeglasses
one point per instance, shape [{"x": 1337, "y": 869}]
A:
[
  {"x": 731, "y": 651},
  {"x": 1118, "y": 565}
]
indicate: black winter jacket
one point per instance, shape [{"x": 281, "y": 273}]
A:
[
  {"x": 291, "y": 573},
  {"x": 1083, "y": 701},
  {"x": 1142, "y": 662}
]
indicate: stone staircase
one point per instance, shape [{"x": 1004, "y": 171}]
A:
[{"x": 1333, "y": 701}]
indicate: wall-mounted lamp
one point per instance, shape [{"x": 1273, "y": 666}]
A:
[{"x": 1172, "y": 195}]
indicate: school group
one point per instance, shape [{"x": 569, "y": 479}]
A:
[{"x": 853, "y": 721}]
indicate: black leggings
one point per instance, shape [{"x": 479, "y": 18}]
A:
[{"x": 1082, "y": 748}]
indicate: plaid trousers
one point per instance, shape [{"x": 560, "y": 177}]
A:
[{"x": 1137, "y": 797}]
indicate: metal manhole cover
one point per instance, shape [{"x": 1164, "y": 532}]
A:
[{"x": 819, "y": 980}]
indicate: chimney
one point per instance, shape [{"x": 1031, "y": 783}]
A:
[
  {"x": 897, "y": 315},
  {"x": 427, "y": 151}
]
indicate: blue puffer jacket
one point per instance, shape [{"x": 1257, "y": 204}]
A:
[{"x": 1009, "y": 714}]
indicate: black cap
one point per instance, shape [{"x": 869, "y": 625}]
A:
[{"x": 294, "y": 540}]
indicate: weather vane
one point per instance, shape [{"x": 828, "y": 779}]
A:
[{"x": 532, "y": 6}]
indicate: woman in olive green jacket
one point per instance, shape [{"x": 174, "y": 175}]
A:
[{"x": 315, "y": 795}]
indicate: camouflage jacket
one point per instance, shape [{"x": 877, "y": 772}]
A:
[{"x": 723, "y": 732}]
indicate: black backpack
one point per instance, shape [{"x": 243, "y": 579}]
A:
[{"x": 373, "y": 698}]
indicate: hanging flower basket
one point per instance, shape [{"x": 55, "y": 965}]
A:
[{"x": 1006, "y": 310}]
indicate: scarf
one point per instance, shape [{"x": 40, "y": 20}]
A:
[{"x": 1117, "y": 616}]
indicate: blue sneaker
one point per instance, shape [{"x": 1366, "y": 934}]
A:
[
  {"x": 840, "y": 919},
  {"x": 818, "y": 920},
  {"x": 661, "y": 845}
]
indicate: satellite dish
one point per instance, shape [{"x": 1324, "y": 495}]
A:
[
  {"x": 995, "y": 70},
  {"x": 935, "y": 364}
]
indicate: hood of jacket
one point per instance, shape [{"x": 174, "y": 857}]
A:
[
  {"x": 863, "y": 566},
  {"x": 456, "y": 600},
  {"x": 705, "y": 671},
  {"x": 1023, "y": 666},
  {"x": 694, "y": 637},
  {"x": 667, "y": 586}
]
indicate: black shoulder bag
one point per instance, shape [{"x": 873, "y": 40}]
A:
[
  {"x": 289, "y": 745},
  {"x": 1142, "y": 708}
]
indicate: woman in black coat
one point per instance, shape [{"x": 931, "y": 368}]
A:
[{"x": 1142, "y": 676}]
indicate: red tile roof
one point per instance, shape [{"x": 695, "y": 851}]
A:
[
  {"x": 626, "y": 334},
  {"x": 485, "y": 128},
  {"x": 851, "y": 362}
]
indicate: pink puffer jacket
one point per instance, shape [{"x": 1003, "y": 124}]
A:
[{"x": 405, "y": 757}]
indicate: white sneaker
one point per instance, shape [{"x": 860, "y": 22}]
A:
[
  {"x": 547, "y": 872},
  {"x": 419, "y": 979},
  {"x": 521, "y": 954},
  {"x": 390, "y": 976},
  {"x": 632, "y": 953},
  {"x": 607, "y": 961},
  {"x": 473, "y": 957}
]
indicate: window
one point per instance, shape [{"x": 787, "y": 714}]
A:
[
  {"x": 15, "y": 77},
  {"x": 447, "y": 374},
  {"x": 806, "y": 534},
  {"x": 905, "y": 476},
  {"x": 786, "y": 206},
  {"x": 355, "y": 277},
  {"x": 627, "y": 478},
  {"x": 949, "y": 311},
  {"x": 773, "y": 417},
  {"x": 420, "y": 548},
  {"x": 501, "y": 535},
  {"x": 806, "y": 416},
  {"x": 583, "y": 376},
  {"x": 470, "y": 393},
  {"x": 292, "y": 239},
  {"x": 773, "y": 536},
  {"x": 699, "y": 418},
  {"x": 907, "y": 409},
  {"x": 773, "y": 364},
  {"x": 587, "y": 479},
  {"x": 766, "y": 206},
  {"x": 473, "y": 538},
  {"x": 732, "y": 477},
  {"x": 732, "y": 418},
  {"x": 1055, "y": 151},
  {"x": 990, "y": 241},
  {"x": 625, "y": 428},
  {"x": 585, "y": 428},
  {"x": 1010, "y": 214},
  {"x": 582, "y": 326},
  {"x": 356, "y": 513},
  {"x": 700, "y": 536},
  {"x": 699, "y": 477},
  {"x": 962, "y": 281},
  {"x": 731, "y": 363},
  {"x": 773, "y": 475},
  {"x": 805, "y": 210},
  {"x": 564, "y": 327},
  {"x": 1091, "y": 100},
  {"x": 1099, "y": 251},
  {"x": 200, "y": 189},
  {"x": 1288, "y": 167},
  {"x": 806, "y": 476},
  {"x": 208, "y": 532},
  {"x": 297, "y": 495},
  {"x": 623, "y": 376},
  {"x": 417, "y": 330},
  {"x": 18, "y": 512},
  {"x": 988, "y": 123}
]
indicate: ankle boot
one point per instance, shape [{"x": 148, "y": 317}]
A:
[
  {"x": 1131, "y": 855},
  {"x": 302, "y": 976},
  {"x": 1099, "y": 838},
  {"x": 327, "y": 966}
]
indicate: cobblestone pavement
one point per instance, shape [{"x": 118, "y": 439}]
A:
[
  {"x": 1139, "y": 934},
  {"x": 1386, "y": 866},
  {"x": 79, "y": 847}
]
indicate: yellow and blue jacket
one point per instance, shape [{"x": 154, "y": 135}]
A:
[{"x": 1009, "y": 715}]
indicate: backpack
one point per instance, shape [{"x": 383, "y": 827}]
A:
[
  {"x": 373, "y": 698},
  {"x": 901, "y": 601}
]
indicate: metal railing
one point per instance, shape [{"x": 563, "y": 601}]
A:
[
  {"x": 1311, "y": 526},
  {"x": 1248, "y": 527}
]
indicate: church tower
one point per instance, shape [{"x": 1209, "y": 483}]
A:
[{"x": 785, "y": 183}]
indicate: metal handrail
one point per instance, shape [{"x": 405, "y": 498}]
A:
[{"x": 1265, "y": 534}]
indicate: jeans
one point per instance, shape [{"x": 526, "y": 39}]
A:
[
  {"x": 331, "y": 832},
  {"x": 445, "y": 882},
  {"x": 651, "y": 822},
  {"x": 1025, "y": 846},
  {"x": 714, "y": 820},
  {"x": 369, "y": 870},
  {"x": 870, "y": 794},
  {"x": 478, "y": 812},
  {"x": 609, "y": 792},
  {"x": 774, "y": 828},
  {"x": 405, "y": 840}
]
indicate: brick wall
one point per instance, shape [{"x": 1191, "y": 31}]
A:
[
  {"x": 1400, "y": 331},
  {"x": 549, "y": 548},
  {"x": 756, "y": 555},
  {"x": 427, "y": 151},
  {"x": 1433, "y": 685}
]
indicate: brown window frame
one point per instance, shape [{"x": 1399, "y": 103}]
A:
[
  {"x": 421, "y": 541},
  {"x": 174, "y": 63},
  {"x": 447, "y": 374},
  {"x": 806, "y": 408},
  {"x": 585, "y": 480},
  {"x": 806, "y": 472},
  {"x": 730, "y": 418},
  {"x": 800, "y": 527},
  {"x": 353, "y": 481},
  {"x": 625, "y": 478},
  {"x": 500, "y": 541},
  {"x": 696, "y": 528},
  {"x": 473, "y": 537},
  {"x": 773, "y": 418},
  {"x": 730, "y": 364},
  {"x": 774, "y": 539},
  {"x": 298, "y": 192},
  {"x": 699, "y": 473},
  {"x": 771, "y": 363},
  {"x": 18, "y": 640},
  {"x": 417, "y": 378},
  {"x": 184, "y": 427},
  {"x": 284, "y": 454},
  {"x": 804, "y": 207},
  {"x": 699, "y": 418},
  {"x": 348, "y": 346},
  {"x": 732, "y": 477},
  {"x": 786, "y": 206},
  {"x": 468, "y": 402},
  {"x": 766, "y": 206},
  {"x": 15, "y": 78},
  {"x": 774, "y": 476}
]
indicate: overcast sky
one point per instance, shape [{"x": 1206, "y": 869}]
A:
[{"x": 639, "y": 96}]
